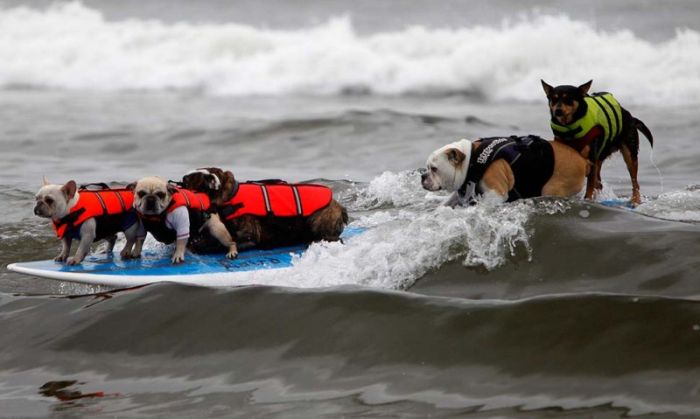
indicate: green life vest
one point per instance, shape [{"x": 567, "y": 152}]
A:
[{"x": 604, "y": 110}]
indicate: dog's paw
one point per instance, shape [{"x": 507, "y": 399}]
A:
[
  {"x": 178, "y": 258},
  {"x": 60, "y": 258},
  {"x": 232, "y": 254},
  {"x": 126, "y": 254},
  {"x": 73, "y": 261},
  {"x": 636, "y": 199}
]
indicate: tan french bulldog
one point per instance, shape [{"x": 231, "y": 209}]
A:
[{"x": 170, "y": 216}]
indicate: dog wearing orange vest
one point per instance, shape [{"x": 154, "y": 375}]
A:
[
  {"x": 175, "y": 215},
  {"x": 89, "y": 216},
  {"x": 269, "y": 214}
]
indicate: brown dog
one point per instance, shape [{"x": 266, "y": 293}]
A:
[
  {"x": 269, "y": 214},
  {"x": 596, "y": 126},
  {"x": 504, "y": 169}
]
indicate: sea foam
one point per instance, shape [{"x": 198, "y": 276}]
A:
[
  {"x": 402, "y": 244},
  {"x": 71, "y": 46}
]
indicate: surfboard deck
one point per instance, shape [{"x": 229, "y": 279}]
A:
[
  {"x": 618, "y": 203},
  {"x": 212, "y": 270}
]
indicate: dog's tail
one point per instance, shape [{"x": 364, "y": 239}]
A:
[{"x": 639, "y": 125}]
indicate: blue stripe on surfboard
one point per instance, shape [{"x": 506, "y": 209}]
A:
[
  {"x": 157, "y": 262},
  {"x": 617, "y": 203}
]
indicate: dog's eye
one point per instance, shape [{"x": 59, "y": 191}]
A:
[
  {"x": 49, "y": 201},
  {"x": 141, "y": 194},
  {"x": 433, "y": 169},
  {"x": 160, "y": 195}
]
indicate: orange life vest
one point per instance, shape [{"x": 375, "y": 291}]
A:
[
  {"x": 197, "y": 201},
  {"x": 111, "y": 208},
  {"x": 277, "y": 199}
]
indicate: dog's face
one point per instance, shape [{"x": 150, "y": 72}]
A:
[
  {"x": 215, "y": 182},
  {"x": 152, "y": 195},
  {"x": 55, "y": 201},
  {"x": 447, "y": 167},
  {"x": 565, "y": 100}
]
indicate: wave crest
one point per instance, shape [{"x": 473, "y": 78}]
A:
[{"x": 71, "y": 46}]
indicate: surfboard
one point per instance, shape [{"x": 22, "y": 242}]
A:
[
  {"x": 617, "y": 203},
  {"x": 211, "y": 270}
]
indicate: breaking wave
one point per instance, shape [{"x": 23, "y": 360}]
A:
[{"x": 71, "y": 46}]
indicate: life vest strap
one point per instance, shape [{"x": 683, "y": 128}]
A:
[
  {"x": 187, "y": 199},
  {"x": 67, "y": 222},
  {"x": 228, "y": 210}
]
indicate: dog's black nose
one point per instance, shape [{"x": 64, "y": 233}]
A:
[
  {"x": 558, "y": 112},
  {"x": 36, "y": 210},
  {"x": 151, "y": 203}
]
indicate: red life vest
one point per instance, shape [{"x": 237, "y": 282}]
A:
[
  {"x": 197, "y": 201},
  {"x": 276, "y": 199},
  {"x": 106, "y": 205}
]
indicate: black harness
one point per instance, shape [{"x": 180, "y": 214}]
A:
[{"x": 530, "y": 157}]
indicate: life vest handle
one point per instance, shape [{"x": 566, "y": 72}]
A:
[
  {"x": 102, "y": 186},
  {"x": 268, "y": 182}
]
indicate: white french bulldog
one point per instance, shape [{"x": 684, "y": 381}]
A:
[{"x": 57, "y": 201}]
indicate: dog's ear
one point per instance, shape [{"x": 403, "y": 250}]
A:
[
  {"x": 585, "y": 87},
  {"x": 229, "y": 178},
  {"x": 131, "y": 186},
  {"x": 172, "y": 189},
  {"x": 44, "y": 181},
  {"x": 547, "y": 88},
  {"x": 189, "y": 181},
  {"x": 455, "y": 156},
  {"x": 227, "y": 184},
  {"x": 69, "y": 189}
]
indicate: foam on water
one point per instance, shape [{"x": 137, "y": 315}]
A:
[
  {"x": 410, "y": 233},
  {"x": 71, "y": 46},
  {"x": 403, "y": 244},
  {"x": 675, "y": 205}
]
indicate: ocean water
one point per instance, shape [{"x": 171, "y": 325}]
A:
[{"x": 538, "y": 308}]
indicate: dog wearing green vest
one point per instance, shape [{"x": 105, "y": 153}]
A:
[{"x": 596, "y": 126}]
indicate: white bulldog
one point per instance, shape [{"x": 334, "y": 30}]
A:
[{"x": 504, "y": 169}]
